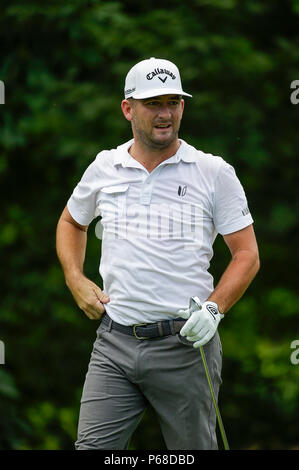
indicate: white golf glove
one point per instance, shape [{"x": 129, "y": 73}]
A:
[{"x": 202, "y": 321}]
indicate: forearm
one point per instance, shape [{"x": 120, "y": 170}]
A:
[
  {"x": 71, "y": 248},
  {"x": 235, "y": 280},
  {"x": 71, "y": 240}
]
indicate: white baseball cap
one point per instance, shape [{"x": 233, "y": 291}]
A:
[{"x": 153, "y": 77}]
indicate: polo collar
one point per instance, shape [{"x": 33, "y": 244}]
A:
[{"x": 186, "y": 153}]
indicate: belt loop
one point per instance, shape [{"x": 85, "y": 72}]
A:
[
  {"x": 160, "y": 328},
  {"x": 109, "y": 326},
  {"x": 171, "y": 323}
]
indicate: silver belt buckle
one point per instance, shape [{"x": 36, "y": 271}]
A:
[{"x": 134, "y": 331}]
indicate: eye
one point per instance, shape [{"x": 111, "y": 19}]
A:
[{"x": 152, "y": 103}]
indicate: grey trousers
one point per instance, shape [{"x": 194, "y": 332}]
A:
[{"x": 125, "y": 373}]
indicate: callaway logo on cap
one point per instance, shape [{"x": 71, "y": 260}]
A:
[{"x": 153, "y": 77}]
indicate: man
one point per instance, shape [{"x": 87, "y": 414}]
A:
[{"x": 162, "y": 203}]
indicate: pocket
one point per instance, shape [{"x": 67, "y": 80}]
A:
[
  {"x": 115, "y": 189},
  {"x": 215, "y": 340},
  {"x": 183, "y": 340},
  {"x": 100, "y": 331},
  {"x": 112, "y": 201}
]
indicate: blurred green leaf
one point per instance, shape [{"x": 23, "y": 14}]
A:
[
  {"x": 7, "y": 384},
  {"x": 64, "y": 66}
]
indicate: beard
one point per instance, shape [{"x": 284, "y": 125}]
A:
[{"x": 149, "y": 140}]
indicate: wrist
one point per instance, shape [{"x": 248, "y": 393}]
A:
[
  {"x": 214, "y": 308},
  {"x": 73, "y": 277}
]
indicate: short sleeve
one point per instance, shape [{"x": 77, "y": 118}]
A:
[
  {"x": 231, "y": 211},
  {"x": 82, "y": 203}
]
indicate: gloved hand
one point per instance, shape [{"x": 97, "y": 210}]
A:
[{"x": 202, "y": 322}]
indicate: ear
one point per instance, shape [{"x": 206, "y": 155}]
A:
[
  {"x": 127, "y": 109},
  {"x": 183, "y": 105}
]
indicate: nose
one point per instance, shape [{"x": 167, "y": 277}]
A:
[{"x": 164, "y": 111}]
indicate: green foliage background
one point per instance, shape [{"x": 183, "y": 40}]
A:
[{"x": 63, "y": 67}]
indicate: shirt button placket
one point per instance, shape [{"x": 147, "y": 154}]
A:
[
  {"x": 148, "y": 185},
  {"x": 146, "y": 193}
]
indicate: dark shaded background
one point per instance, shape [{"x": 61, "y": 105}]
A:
[{"x": 63, "y": 66}]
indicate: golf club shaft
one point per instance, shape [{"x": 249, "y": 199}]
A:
[
  {"x": 220, "y": 423},
  {"x": 193, "y": 305}
]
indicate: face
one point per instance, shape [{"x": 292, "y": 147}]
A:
[{"x": 155, "y": 121}]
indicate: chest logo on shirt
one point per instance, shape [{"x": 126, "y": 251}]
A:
[{"x": 182, "y": 190}]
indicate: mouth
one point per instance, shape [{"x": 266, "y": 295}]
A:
[{"x": 162, "y": 126}]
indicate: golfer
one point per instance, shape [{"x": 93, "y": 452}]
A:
[{"x": 162, "y": 203}]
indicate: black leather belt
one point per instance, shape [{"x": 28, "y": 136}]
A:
[{"x": 146, "y": 330}]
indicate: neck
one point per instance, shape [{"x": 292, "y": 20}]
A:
[{"x": 151, "y": 158}]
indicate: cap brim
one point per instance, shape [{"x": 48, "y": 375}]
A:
[{"x": 158, "y": 92}]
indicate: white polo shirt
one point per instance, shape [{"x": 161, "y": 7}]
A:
[{"x": 158, "y": 227}]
